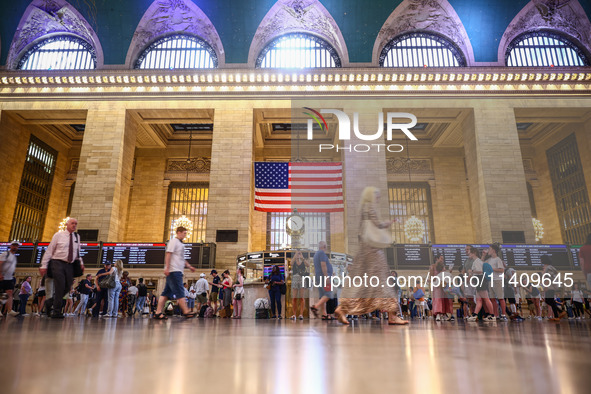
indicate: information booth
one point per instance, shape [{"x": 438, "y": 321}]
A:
[{"x": 258, "y": 265}]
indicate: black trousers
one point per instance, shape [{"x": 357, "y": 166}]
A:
[
  {"x": 101, "y": 295},
  {"x": 63, "y": 279},
  {"x": 552, "y": 302}
]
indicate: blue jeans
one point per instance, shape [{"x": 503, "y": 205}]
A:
[
  {"x": 190, "y": 303},
  {"x": 114, "y": 300},
  {"x": 139, "y": 305},
  {"x": 23, "y": 306},
  {"x": 275, "y": 296},
  {"x": 81, "y": 308}
]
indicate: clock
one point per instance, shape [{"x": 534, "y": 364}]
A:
[{"x": 294, "y": 226}]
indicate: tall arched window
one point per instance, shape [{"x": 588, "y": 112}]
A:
[
  {"x": 59, "y": 53},
  {"x": 421, "y": 49},
  {"x": 298, "y": 50},
  {"x": 178, "y": 51},
  {"x": 544, "y": 49}
]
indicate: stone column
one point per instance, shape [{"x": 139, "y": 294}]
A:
[
  {"x": 104, "y": 175},
  {"x": 230, "y": 196},
  {"x": 496, "y": 178},
  {"x": 148, "y": 200}
]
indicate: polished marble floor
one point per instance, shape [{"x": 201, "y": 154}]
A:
[{"x": 82, "y": 355}]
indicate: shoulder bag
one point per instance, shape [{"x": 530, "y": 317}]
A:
[{"x": 107, "y": 282}]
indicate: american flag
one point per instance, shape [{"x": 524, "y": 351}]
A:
[{"x": 307, "y": 187}]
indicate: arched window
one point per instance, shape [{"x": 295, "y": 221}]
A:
[
  {"x": 178, "y": 51},
  {"x": 544, "y": 49},
  {"x": 421, "y": 49},
  {"x": 298, "y": 50},
  {"x": 59, "y": 53}
]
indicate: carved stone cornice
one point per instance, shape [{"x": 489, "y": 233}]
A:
[
  {"x": 398, "y": 165},
  {"x": 198, "y": 165}
]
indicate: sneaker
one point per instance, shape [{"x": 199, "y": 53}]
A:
[
  {"x": 26, "y": 314},
  {"x": 36, "y": 314},
  {"x": 12, "y": 313},
  {"x": 438, "y": 318},
  {"x": 474, "y": 317},
  {"x": 301, "y": 317},
  {"x": 519, "y": 318},
  {"x": 579, "y": 318},
  {"x": 452, "y": 319},
  {"x": 539, "y": 317},
  {"x": 1, "y": 314},
  {"x": 490, "y": 318},
  {"x": 503, "y": 318}
]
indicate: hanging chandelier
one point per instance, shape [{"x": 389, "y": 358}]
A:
[
  {"x": 414, "y": 229},
  {"x": 185, "y": 222},
  {"x": 63, "y": 224},
  {"x": 538, "y": 229}
]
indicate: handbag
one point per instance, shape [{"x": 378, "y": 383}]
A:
[
  {"x": 374, "y": 236},
  {"x": 77, "y": 268},
  {"x": 107, "y": 282}
]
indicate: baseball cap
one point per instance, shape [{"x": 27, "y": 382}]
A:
[
  {"x": 202, "y": 276},
  {"x": 15, "y": 243},
  {"x": 213, "y": 272},
  {"x": 108, "y": 262}
]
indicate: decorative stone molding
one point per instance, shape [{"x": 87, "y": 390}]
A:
[
  {"x": 166, "y": 17},
  {"x": 298, "y": 16},
  {"x": 565, "y": 16},
  {"x": 50, "y": 17},
  {"x": 400, "y": 165},
  {"x": 199, "y": 165},
  {"x": 437, "y": 16},
  {"x": 528, "y": 165},
  {"x": 74, "y": 163}
]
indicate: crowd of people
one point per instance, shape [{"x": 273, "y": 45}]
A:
[{"x": 111, "y": 293}]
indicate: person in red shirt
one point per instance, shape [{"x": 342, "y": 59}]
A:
[{"x": 585, "y": 260}]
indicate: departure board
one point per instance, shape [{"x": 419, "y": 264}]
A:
[
  {"x": 134, "y": 253},
  {"x": 530, "y": 256},
  {"x": 25, "y": 252},
  {"x": 574, "y": 252},
  {"x": 411, "y": 255},
  {"x": 88, "y": 251},
  {"x": 454, "y": 255}
]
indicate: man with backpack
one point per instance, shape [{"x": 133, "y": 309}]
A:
[
  {"x": 84, "y": 288},
  {"x": 142, "y": 293},
  {"x": 201, "y": 290}
]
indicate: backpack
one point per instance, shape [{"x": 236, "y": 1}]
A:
[
  {"x": 203, "y": 310},
  {"x": 208, "y": 313}
]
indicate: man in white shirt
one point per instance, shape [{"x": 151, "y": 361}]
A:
[
  {"x": 174, "y": 263},
  {"x": 7, "y": 267},
  {"x": 63, "y": 249},
  {"x": 132, "y": 295},
  {"x": 201, "y": 289}
]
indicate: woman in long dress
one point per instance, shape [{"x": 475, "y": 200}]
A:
[{"x": 370, "y": 261}]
